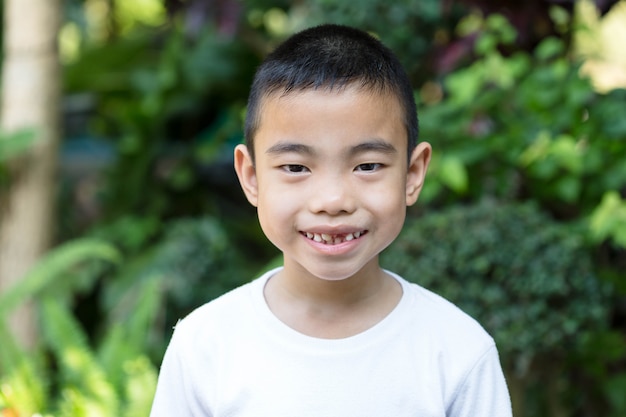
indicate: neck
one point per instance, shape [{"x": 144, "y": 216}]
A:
[
  {"x": 332, "y": 309},
  {"x": 298, "y": 283}
]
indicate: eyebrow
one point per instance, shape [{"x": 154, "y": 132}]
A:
[
  {"x": 289, "y": 147},
  {"x": 376, "y": 145}
]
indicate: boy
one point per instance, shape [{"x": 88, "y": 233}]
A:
[{"x": 331, "y": 162}]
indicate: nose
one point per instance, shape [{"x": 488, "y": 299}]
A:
[{"x": 332, "y": 195}]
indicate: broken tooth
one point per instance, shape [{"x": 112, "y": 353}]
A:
[{"x": 332, "y": 239}]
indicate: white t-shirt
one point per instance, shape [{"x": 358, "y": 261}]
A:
[{"x": 233, "y": 358}]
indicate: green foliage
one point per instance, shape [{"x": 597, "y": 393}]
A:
[
  {"x": 528, "y": 127},
  {"x": 15, "y": 144},
  {"x": 110, "y": 373},
  {"x": 525, "y": 126},
  {"x": 600, "y": 380},
  {"x": 608, "y": 220},
  {"x": 169, "y": 104},
  {"x": 407, "y": 27},
  {"x": 12, "y": 146},
  {"x": 23, "y": 380},
  {"x": 194, "y": 261},
  {"x": 50, "y": 270},
  {"x": 192, "y": 252},
  {"x": 85, "y": 388},
  {"x": 118, "y": 380}
]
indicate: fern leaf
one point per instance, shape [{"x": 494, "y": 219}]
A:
[
  {"x": 130, "y": 332},
  {"x": 140, "y": 387},
  {"x": 52, "y": 266},
  {"x": 83, "y": 376},
  {"x": 23, "y": 389}
]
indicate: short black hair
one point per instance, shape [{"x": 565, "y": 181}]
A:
[{"x": 331, "y": 57}]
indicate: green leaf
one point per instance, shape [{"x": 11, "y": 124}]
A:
[
  {"x": 52, "y": 267},
  {"x": 453, "y": 173},
  {"x": 465, "y": 85},
  {"x": 129, "y": 330},
  {"x": 614, "y": 388},
  {"x": 16, "y": 143},
  {"x": 141, "y": 381},
  {"x": 486, "y": 44},
  {"x": 568, "y": 189},
  {"x": 608, "y": 220},
  {"x": 85, "y": 383},
  {"x": 537, "y": 150},
  {"x": 549, "y": 48},
  {"x": 501, "y": 26},
  {"x": 22, "y": 386},
  {"x": 568, "y": 153}
]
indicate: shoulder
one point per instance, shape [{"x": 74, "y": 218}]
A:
[
  {"x": 452, "y": 334},
  {"x": 459, "y": 351},
  {"x": 432, "y": 311},
  {"x": 223, "y": 315}
]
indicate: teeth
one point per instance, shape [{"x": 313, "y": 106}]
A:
[{"x": 330, "y": 239}]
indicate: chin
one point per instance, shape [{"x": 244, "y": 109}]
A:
[{"x": 334, "y": 274}]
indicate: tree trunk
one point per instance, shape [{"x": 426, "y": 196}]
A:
[{"x": 30, "y": 99}]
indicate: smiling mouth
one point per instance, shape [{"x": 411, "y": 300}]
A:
[{"x": 329, "y": 239}]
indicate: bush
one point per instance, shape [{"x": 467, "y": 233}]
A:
[
  {"x": 524, "y": 127},
  {"x": 195, "y": 261},
  {"x": 65, "y": 375}
]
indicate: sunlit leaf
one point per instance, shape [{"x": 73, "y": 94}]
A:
[
  {"x": 453, "y": 174},
  {"x": 16, "y": 143}
]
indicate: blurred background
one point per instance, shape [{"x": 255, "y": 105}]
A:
[{"x": 120, "y": 211}]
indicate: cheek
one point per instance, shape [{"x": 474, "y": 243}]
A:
[
  {"x": 275, "y": 211},
  {"x": 386, "y": 197},
  {"x": 270, "y": 226},
  {"x": 389, "y": 207}
]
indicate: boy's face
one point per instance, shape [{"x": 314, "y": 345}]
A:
[{"x": 330, "y": 180}]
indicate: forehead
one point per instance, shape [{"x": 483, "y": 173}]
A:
[
  {"x": 338, "y": 116},
  {"x": 350, "y": 97}
]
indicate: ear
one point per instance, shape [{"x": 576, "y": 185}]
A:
[
  {"x": 246, "y": 172},
  {"x": 418, "y": 164}
]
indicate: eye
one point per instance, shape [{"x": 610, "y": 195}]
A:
[
  {"x": 369, "y": 167},
  {"x": 294, "y": 168}
]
